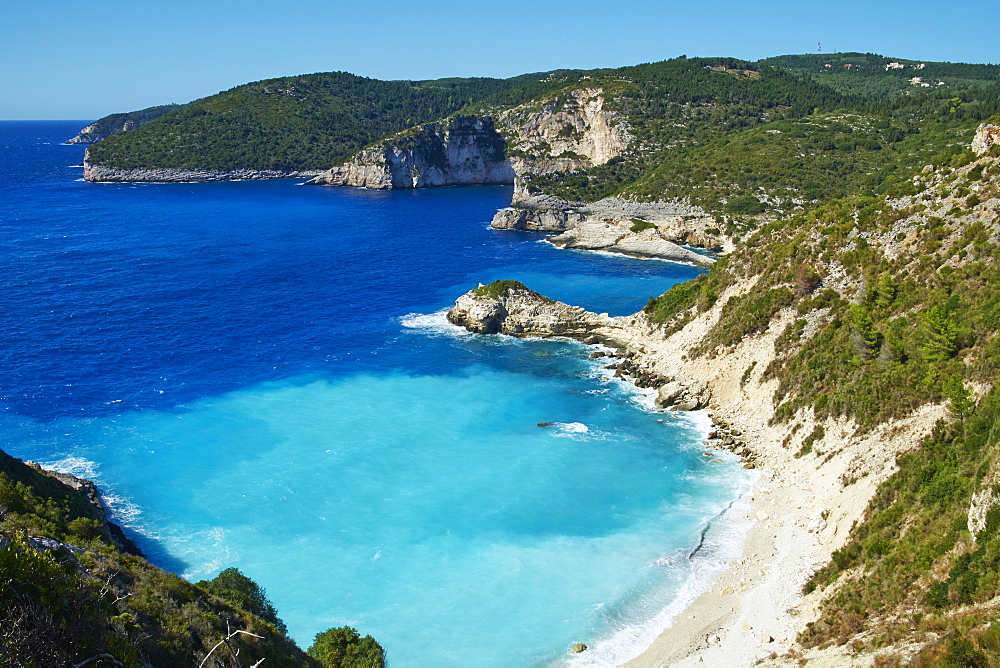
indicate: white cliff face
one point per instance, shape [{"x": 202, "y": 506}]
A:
[
  {"x": 987, "y": 136},
  {"x": 573, "y": 123},
  {"x": 571, "y": 131},
  {"x": 463, "y": 150}
]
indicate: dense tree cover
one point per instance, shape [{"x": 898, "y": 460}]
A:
[
  {"x": 872, "y": 75},
  {"x": 683, "y": 103},
  {"x": 83, "y": 599},
  {"x": 312, "y": 121},
  {"x": 708, "y": 130},
  {"x": 865, "y": 147},
  {"x": 681, "y": 112}
]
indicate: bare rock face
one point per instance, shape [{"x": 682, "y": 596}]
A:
[
  {"x": 540, "y": 213},
  {"x": 987, "y": 136},
  {"x": 675, "y": 223},
  {"x": 617, "y": 238},
  {"x": 569, "y": 131},
  {"x": 982, "y": 501},
  {"x": 462, "y": 150},
  {"x": 508, "y": 307},
  {"x": 549, "y": 220}
]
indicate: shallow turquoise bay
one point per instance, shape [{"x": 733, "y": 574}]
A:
[{"x": 260, "y": 375}]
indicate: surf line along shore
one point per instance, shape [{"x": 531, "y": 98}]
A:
[{"x": 802, "y": 507}]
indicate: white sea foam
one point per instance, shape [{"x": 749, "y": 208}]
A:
[
  {"x": 436, "y": 324},
  {"x": 433, "y": 323},
  {"x": 121, "y": 510},
  {"x": 212, "y": 541},
  {"x": 570, "y": 429},
  {"x": 643, "y": 397},
  {"x": 77, "y": 466}
]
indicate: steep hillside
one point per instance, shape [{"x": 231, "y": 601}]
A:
[
  {"x": 857, "y": 318},
  {"x": 851, "y": 353},
  {"x": 75, "y": 591}
]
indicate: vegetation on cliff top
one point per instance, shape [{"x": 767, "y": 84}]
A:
[
  {"x": 82, "y": 598},
  {"x": 496, "y": 289},
  {"x": 885, "y": 304},
  {"x": 313, "y": 121},
  {"x": 781, "y": 131}
]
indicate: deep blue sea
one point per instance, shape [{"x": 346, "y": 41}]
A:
[{"x": 260, "y": 375}]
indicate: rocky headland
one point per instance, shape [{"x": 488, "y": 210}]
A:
[
  {"x": 559, "y": 135},
  {"x": 508, "y": 307}
]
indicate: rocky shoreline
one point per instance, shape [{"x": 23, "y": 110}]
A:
[
  {"x": 101, "y": 174},
  {"x": 803, "y": 505}
]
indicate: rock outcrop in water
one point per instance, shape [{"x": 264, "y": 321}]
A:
[
  {"x": 508, "y": 307},
  {"x": 653, "y": 230},
  {"x": 462, "y": 150}
]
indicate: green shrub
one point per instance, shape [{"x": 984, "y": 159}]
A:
[
  {"x": 640, "y": 225},
  {"x": 238, "y": 590},
  {"x": 344, "y": 647},
  {"x": 496, "y": 289}
]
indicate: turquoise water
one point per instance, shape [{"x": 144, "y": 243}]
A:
[{"x": 260, "y": 375}]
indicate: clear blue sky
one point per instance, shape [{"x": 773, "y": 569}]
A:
[{"x": 83, "y": 60}]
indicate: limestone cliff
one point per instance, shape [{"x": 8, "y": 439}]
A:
[
  {"x": 571, "y": 130},
  {"x": 462, "y": 150},
  {"x": 987, "y": 136}
]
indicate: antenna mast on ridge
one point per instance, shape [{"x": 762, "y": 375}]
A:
[{"x": 819, "y": 47}]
